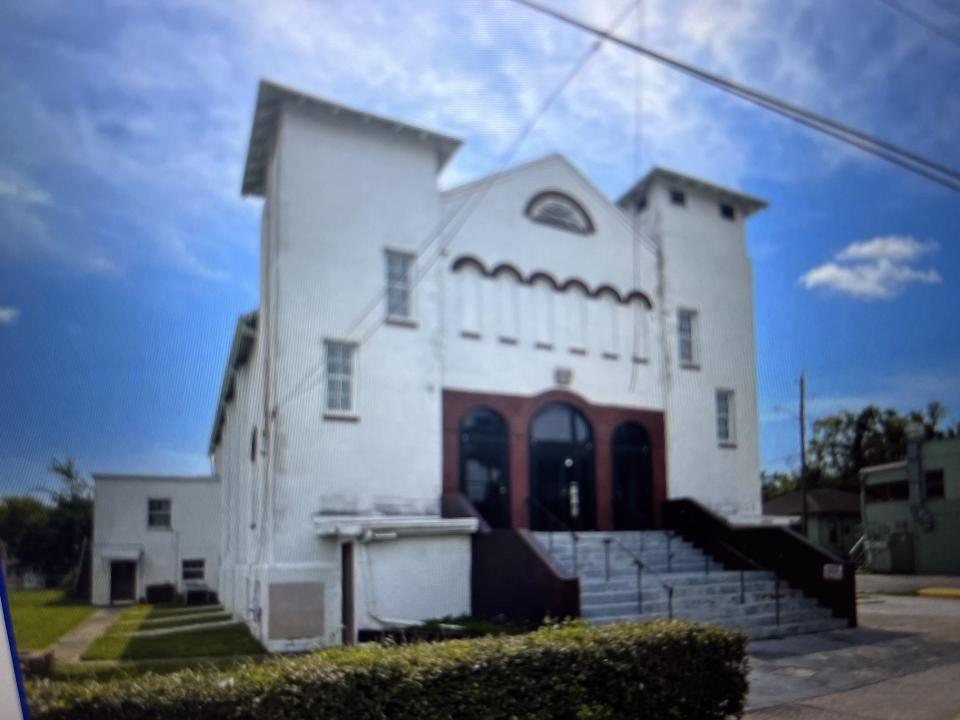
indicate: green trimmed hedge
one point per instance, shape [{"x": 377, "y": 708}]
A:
[{"x": 663, "y": 669}]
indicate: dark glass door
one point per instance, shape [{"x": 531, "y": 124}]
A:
[
  {"x": 632, "y": 478},
  {"x": 485, "y": 465},
  {"x": 562, "y": 486}
]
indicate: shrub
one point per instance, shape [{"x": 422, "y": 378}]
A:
[{"x": 664, "y": 669}]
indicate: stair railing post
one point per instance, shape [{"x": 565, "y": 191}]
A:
[
  {"x": 776, "y": 599},
  {"x": 576, "y": 553},
  {"x": 639, "y": 587},
  {"x": 669, "y": 551},
  {"x": 606, "y": 558},
  {"x": 670, "y": 601}
]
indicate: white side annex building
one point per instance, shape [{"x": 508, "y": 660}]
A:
[
  {"x": 515, "y": 353},
  {"x": 472, "y": 401},
  {"x": 154, "y": 533}
]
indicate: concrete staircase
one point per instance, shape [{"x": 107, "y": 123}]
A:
[{"x": 703, "y": 589}]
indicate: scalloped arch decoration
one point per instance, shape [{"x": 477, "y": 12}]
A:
[{"x": 465, "y": 261}]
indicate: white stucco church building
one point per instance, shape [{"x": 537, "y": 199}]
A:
[
  {"x": 513, "y": 353},
  {"x": 433, "y": 379}
]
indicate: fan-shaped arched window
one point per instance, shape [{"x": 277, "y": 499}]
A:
[{"x": 559, "y": 210}]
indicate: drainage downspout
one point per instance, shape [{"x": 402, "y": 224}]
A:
[{"x": 366, "y": 537}]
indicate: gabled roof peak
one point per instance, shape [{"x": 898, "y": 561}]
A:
[
  {"x": 272, "y": 97},
  {"x": 748, "y": 204}
]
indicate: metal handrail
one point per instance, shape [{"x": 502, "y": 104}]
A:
[
  {"x": 531, "y": 502},
  {"x": 641, "y": 566},
  {"x": 637, "y": 561}
]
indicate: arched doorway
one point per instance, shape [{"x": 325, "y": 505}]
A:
[
  {"x": 485, "y": 465},
  {"x": 632, "y": 477},
  {"x": 562, "y": 483}
]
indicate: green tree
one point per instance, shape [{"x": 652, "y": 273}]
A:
[
  {"x": 23, "y": 523},
  {"x": 777, "y": 483},
  {"x": 846, "y": 442}
]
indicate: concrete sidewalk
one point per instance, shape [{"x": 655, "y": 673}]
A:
[
  {"x": 902, "y": 662},
  {"x": 928, "y": 695},
  {"x": 71, "y": 646}
]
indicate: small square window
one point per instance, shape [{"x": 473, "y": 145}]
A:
[
  {"x": 158, "y": 513},
  {"x": 933, "y": 480},
  {"x": 340, "y": 383},
  {"x": 678, "y": 197},
  {"x": 728, "y": 211},
  {"x": 194, "y": 569},
  {"x": 726, "y": 434}
]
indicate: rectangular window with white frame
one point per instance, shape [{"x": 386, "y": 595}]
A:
[
  {"x": 726, "y": 418},
  {"x": 340, "y": 364},
  {"x": 688, "y": 348},
  {"x": 194, "y": 570},
  {"x": 158, "y": 513},
  {"x": 400, "y": 270}
]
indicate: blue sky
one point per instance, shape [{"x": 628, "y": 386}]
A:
[{"x": 126, "y": 251}]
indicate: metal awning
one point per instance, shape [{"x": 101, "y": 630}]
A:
[
  {"x": 121, "y": 553},
  {"x": 380, "y": 527}
]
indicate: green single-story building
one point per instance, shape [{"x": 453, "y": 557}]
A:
[
  {"x": 833, "y": 516},
  {"x": 911, "y": 510}
]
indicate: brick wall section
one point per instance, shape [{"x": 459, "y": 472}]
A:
[{"x": 518, "y": 411}]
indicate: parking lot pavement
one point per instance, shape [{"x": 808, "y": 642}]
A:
[
  {"x": 878, "y": 583},
  {"x": 902, "y": 662}
]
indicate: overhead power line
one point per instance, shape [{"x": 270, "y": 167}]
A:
[
  {"x": 449, "y": 227},
  {"x": 906, "y": 159},
  {"x": 911, "y": 14}
]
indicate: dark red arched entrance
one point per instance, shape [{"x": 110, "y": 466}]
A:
[{"x": 617, "y": 477}]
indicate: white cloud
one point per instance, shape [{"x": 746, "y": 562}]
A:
[
  {"x": 20, "y": 190},
  {"x": 170, "y": 141},
  {"x": 876, "y": 269},
  {"x": 896, "y": 248},
  {"x": 8, "y": 315}
]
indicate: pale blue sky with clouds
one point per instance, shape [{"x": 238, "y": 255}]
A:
[{"x": 126, "y": 250}]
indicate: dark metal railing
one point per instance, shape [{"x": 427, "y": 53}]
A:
[
  {"x": 790, "y": 557},
  {"x": 556, "y": 522},
  {"x": 641, "y": 566}
]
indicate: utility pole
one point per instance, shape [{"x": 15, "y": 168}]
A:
[{"x": 803, "y": 454}]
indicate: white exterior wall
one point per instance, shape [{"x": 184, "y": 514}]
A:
[
  {"x": 706, "y": 269},
  {"x": 241, "y": 501},
  {"x": 339, "y": 195},
  {"x": 497, "y": 231},
  {"x": 412, "y": 578},
  {"x": 120, "y": 524}
]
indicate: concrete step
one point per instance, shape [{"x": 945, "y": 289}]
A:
[
  {"x": 705, "y": 608},
  {"x": 763, "y": 623},
  {"x": 658, "y": 593},
  {"x": 676, "y": 580},
  {"x": 703, "y": 590}
]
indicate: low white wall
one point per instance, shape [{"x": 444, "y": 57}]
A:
[{"x": 411, "y": 578}]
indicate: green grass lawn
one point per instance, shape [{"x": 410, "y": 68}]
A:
[
  {"x": 41, "y": 616},
  {"x": 118, "y": 644}
]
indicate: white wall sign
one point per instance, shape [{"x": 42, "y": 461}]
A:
[{"x": 832, "y": 571}]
